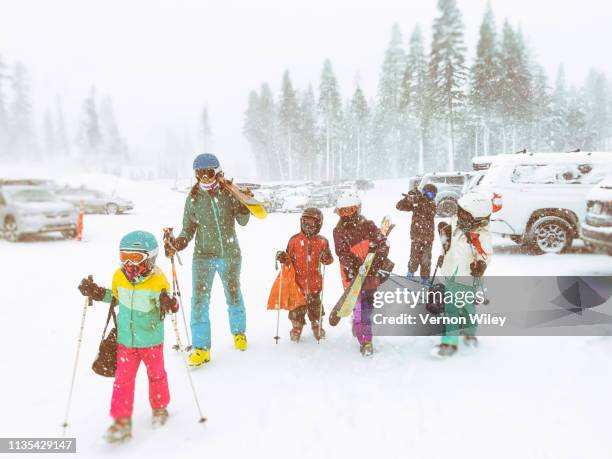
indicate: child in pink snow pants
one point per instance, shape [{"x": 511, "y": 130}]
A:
[{"x": 140, "y": 289}]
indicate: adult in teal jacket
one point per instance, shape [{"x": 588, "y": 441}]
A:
[{"x": 209, "y": 217}]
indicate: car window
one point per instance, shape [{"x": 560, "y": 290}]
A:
[
  {"x": 455, "y": 180},
  {"x": 558, "y": 174},
  {"x": 30, "y": 195}
]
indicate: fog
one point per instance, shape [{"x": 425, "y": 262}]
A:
[{"x": 162, "y": 61}]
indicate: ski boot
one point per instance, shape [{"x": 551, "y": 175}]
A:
[
  {"x": 470, "y": 341},
  {"x": 366, "y": 349},
  {"x": 119, "y": 431},
  {"x": 240, "y": 342},
  {"x": 410, "y": 275},
  {"x": 318, "y": 334},
  {"x": 199, "y": 357},
  {"x": 160, "y": 416},
  {"x": 446, "y": 350},
  {"x": 296, "y": 331}
]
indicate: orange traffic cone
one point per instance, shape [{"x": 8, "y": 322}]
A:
[{"x": 80, "y": 221}]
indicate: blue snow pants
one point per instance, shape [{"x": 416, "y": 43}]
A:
[{"x": 203, "y": 273}]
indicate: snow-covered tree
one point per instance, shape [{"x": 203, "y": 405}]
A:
[
  {"x": 4, "y": 125},
  {"x": 21, "y": 130},
  {"x": 308, "y": 134},
  {"x": 288, "y": 121},
  {"x": 63, "y": 145},
  {"x": 447, "y": 68},
  {"x": 205, "y": 130},
  {"x": 387, "y": 117},
  {"x": 330, "y": 109},
  {"x": 89, "y": 137}
]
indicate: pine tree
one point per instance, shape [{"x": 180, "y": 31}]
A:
[
  {"x": 112, "y": 143},
  {"x": 330, "y": 109},
  {"x": 50, "y": 137},
  {"x": 63, "y": 145},
  {"x": 90, "y": 137},
  {"x": 359, "y": 115},
  {"x": 21, "y": 132},
  {"x": 447, "y": 68},
  {"x": 515, "y": 87},
  {"x": 288, "y": 120},
  {"x": 557, "y": 140},
  {"x": 415, "y": 101},
  {"x": 485, "y": 79},
  {"x": 308, "y": 133},
  {"x": 387, "y": 118},
  {"x": 597, "y": 102},
  {"x": 206, "y": 130}
]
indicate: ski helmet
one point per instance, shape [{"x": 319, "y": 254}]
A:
[
  {"x": 473, "y": 209},
  {"x": 206, "y": 161},
  {"x": 138, "y": 252},
  {"x": 348, "y": 204},
  {"x": 430, "y": 191},
  {"x": 311, "y": 221}
]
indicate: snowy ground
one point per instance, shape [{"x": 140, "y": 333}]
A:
[{"x": 513, "y": 397}]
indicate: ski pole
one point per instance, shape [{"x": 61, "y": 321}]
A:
[
  {"x": 278, "y": 303},
  {"x": 180, "y": 298},
  {"x": 322, "y": 271},
  {"x": 182, "y": 351},
  {"x": 88, "y": 302}
]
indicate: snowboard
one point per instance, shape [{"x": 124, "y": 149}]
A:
[
  {"x": 345, "y": 305},
  {"x": 256, "y": 208}
]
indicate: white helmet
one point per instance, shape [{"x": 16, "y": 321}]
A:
[
  {"x": 348, "y": 200},
  {"x": 477, "y": 205}
]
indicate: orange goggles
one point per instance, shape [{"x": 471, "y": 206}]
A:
[
  {"x": 132, "y": 257},
  {"x": 347, "y": 211}
]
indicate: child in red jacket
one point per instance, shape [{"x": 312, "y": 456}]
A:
[{"x": 306, "y": 251}]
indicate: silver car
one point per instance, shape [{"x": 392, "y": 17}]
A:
[
  {"x": 26, "y": 209},
  {"x": 94, "y": 202},
  {"x": 449, "y": 185}
]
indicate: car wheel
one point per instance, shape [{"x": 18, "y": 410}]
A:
[
  {"x": 112, "y": 209},
  {"x": 10, "y": 229},
  {"x": 447, "y": 207},
  {"x": 550, "y": 234}
]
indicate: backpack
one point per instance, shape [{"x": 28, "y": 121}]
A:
[{"x": 105, "y": 363}]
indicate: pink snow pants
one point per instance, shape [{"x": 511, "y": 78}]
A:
[
  {"x": 128, "y": 361},
  {"x": 362, "y": 328}
]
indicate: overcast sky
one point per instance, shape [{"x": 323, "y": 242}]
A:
[{"x": 161, "y": 61}]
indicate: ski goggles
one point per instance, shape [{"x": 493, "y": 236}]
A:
[
  {"x": 209, "y": 173},
  {"x": 430, "y": 195},
  {"x": 347, "y": 211},
  {"x": 132, "y": 256}
]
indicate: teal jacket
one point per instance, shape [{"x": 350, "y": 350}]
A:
[
  {"x": 138, "y": 320},
  {"x": 211, "y": 219}
]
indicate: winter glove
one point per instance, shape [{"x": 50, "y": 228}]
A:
[
  {"x": 168, "y": 304},
  {"x": 173, "y": 245},
  {"x": 243, "y": 210},
  {"x": 282, "y": 257},
  {"x": 477, "y": 268},
  {"x": 89, "y": 288}
]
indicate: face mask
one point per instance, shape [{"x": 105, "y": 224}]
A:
[{"x": 209, "y": 186}]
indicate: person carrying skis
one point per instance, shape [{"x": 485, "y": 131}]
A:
[
  {"x": 423, "y": 208},
  {"x": 468, "y": 247},
  {"x": 355, "y": 237},
  {"x": 140, "y": 289},
  {"x": 210, "y": 215},
  {"x": 306, "y": 251}
]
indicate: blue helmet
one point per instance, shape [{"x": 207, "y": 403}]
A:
[
  {"x": 144, "y": 242},
  {"x": 206, "y": 161}
]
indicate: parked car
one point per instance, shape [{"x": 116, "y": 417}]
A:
[
  {"x": 472, "y": 183},
  {"x": 33, "y": 209},
  {"x": 597, "y": 225},
  {"x": 322, "y": 197},
  {"x": 95, "y": 202},
  {"x": 413, "y": 182},
  {"x": 364, "y": 184},
  {"x": 540, "y": 197},
  {"x": 449, "y": 186},
  {"x": 294, "y": 201}
]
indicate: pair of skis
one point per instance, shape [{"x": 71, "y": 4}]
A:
[
  {"x": 256, "y": 208},
  {"x": 346, "y": 304}
]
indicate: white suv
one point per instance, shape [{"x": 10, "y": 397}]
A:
[{"x": 539, "y": 198}]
